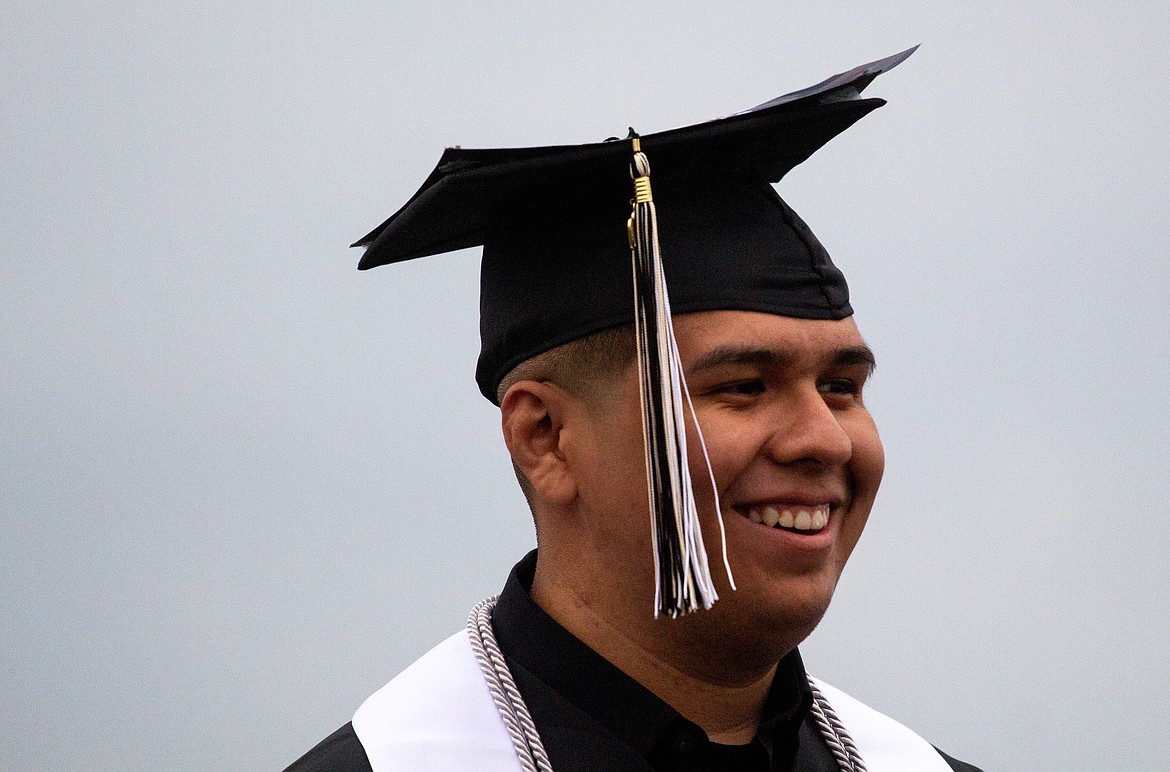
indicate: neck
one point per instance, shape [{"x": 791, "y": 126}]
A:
[{"x": 719, "y": 686}]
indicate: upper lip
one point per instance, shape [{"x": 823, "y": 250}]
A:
[{"x": 790, "y": 500}]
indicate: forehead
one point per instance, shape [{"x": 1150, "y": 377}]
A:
[{"x": 699, "y": 334}]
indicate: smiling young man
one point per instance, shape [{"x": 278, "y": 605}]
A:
[{"x": 652, "y": 446}]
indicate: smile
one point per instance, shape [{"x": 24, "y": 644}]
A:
[{"x": 802, "y": 519}]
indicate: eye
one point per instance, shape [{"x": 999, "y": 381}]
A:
[
  {"x": 840, "y": 387},
  {"x": 748, "y": 388}
]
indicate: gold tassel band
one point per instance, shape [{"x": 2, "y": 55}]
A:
[{"x": 642, "y": 194}]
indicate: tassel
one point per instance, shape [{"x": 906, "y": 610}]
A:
[{"x": 682, "y": 577}]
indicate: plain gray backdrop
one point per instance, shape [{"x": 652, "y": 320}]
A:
[{"x": 243, "y": 484}]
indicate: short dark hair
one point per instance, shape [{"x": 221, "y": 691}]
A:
[{"x": 581, "y": 366}]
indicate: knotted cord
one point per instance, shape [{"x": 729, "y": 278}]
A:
[
  {"x": 834, "y": 734},
  {"x": 517, "y": 718}
]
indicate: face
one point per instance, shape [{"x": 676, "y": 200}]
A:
[{"x": 796, "y": 460}]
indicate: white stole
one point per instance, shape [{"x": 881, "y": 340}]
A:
[{"x": 438, "y": 716}]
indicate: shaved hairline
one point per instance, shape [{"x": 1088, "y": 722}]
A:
[{"x": 581, "y": 366}]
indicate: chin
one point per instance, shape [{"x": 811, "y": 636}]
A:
[
  {"x": 745, "y": 633},
  {"x": 795, "y": 622},
  {"x": 778, "y": 616}
]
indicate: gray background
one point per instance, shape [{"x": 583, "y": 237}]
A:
[{"x": 241, "y": 484}]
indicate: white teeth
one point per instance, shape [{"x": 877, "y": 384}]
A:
[
  {"x": 802, "y": 520},
  {"x": 771, "y": 516}
]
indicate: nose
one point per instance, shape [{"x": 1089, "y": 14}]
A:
[{"x": 808, "y": 430}]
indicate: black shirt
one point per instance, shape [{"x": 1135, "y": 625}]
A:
[{"x": 591, "y": 716}]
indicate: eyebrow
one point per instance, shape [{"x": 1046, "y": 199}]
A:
[
  {"x": 753, "y": 355},
  {"x": 855, "y": 355}
]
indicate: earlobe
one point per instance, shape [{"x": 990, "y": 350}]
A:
[{"x": 532, "y": 420}]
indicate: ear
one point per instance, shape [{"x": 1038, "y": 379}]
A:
[{"x": 532, "y": 416}]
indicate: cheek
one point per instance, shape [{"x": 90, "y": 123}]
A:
[
  {"x": 730, "y": 446},
  {"x": 613, "y": 486}
]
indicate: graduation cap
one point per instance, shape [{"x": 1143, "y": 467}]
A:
[{"x": 576, "y": 240}]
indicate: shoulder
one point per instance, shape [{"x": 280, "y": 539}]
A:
[
  {"x": 339, "y": 752},
  {"x": 439, "y": 710},
  {"x": 436, "y": 714}
]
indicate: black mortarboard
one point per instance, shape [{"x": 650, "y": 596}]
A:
[
  {"x": 552, "y": 221},
  {"x": 557, "y": 259}
]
